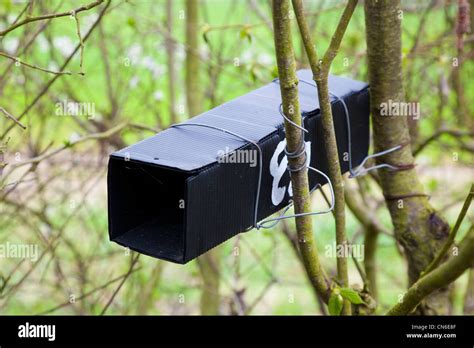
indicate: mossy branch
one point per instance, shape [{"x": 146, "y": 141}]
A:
[
  {"x": 301, "y": 196},
  {"x": 452, "y": 235},
  {"x": 439, "y": 278},
  {"x": 336, "y": 39},
  {"x": 320, "y": 70}
]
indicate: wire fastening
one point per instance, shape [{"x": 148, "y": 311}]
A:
[
  {"x": 300, "y": 151},
  {"x": 360, "y": 170}
]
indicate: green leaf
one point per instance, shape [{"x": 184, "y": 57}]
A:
[
  {"x": 245, "y": 34},
  {"x": 351, "y": 295},
  {"x": 274, "y": 71},
  {"x": 3, "y": 283},
  {"x": 131, "y": 22},
  {"x": 8, "y": 5},
  {"x": 254, "y": 73},
  {"x": 205, "y": 29},
  {"x": 205, "y": 37},
  {"x": 335, "y": 304}
]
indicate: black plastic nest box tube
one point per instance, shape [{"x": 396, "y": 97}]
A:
[{"x": 184, "y": 191}]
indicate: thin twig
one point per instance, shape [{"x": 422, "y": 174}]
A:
[
  {"x": 81, "y": 42},
  {"x": 11, "y": 117},
  {"x": 87, "y": 294},
  {"x": 49, "y": 16},
  {"x": 124, "y": 279},
  {"x": 451, "y": 132},
  {"x": 32, "y": 66},
  {"x": 66, "y": 62},
  {"x": 94, "y": 136}
]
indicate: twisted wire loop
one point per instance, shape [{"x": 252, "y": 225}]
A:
[{"x": 300, "y": 151}]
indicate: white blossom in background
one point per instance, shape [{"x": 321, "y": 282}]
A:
[
  {"x": 42, "y": 43},
  {"x": 11, "y": 18},
  {"x": 158, "y": 95},
  {"x": 11, "y": 44},
  {"x": 265, "y": 59},
  {"x": 74, "y": 137},
  {"x": 88, "y": 21},
  {"x": 20, "y": 79},
  {"x": 155, "y": 68},
  {"x": 133, "y": 83},
  {"x": 204, "y": 53},
  {"x": 134, "y": 53},
  {"x": 53, "y": 66},
  {"x": 247, "y": 57},
  {"x": 180, "y": 53},
  {"x": 98, "y": 116},
  {"x": 64, "y": 45},
  {"x": 44, "y": 228}
]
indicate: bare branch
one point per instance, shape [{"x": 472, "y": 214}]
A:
[
  {"x": 439, "y": 278},
  {"x": 50, "y": 16},
  {"x": 451, "y": 132},
  {"x": 320, "y": 70},
  {"x": 452, "y": 235},
  {"x": 32, "y": 66},
  {"x": 11, "y": 117},
  {"x": 289, "y": 93},
  {"x": 94, "y": 136},
  {"x": 66, "y": 62}
]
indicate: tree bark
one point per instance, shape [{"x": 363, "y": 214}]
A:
[
  {"x": 418, "y": 227},
  {"x": 170, "y": 56},
  {"x": 439, "y": 278},
  {"x": 208, "y": 263},
  {"x": 301, "y": 197},
  {"x": 320, "y": 70},
  {"x": 193, "y": 87}
]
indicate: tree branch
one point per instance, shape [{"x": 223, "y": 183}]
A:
[
  {"x": 32, "y": 66},
  {"x": 336, "y": 39},
  {"x": 439, "y": 278},
  {"x": 289, "y": 92},
  {"x": 94, "y": 136},
  {"x": 451, "y": 132},
  {"x": 320, "y": 71},
  {"x": 66, "y": 62},
  {"x": 49, "y": 16},
  {"x": 11, "y": 117},
  {"x": 452, "y": 236}
]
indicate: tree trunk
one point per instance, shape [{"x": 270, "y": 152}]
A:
[
  {"x": 170, "y": 55},
  {"x": 418, "y": 227},
  {"x": 208, "y": 263}
]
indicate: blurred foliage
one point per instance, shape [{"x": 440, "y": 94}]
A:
[{"x": 63, "y": 199}]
